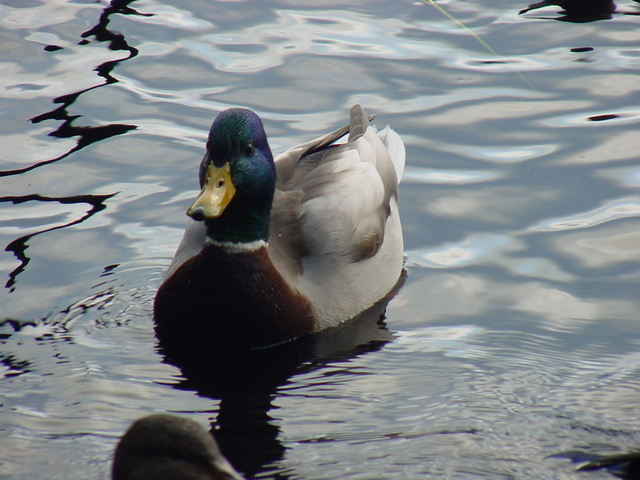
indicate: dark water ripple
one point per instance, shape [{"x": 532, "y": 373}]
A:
[{"x": 19, "y": 246}]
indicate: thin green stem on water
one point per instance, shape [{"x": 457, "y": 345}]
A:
[{"x": 474, "y": 35}]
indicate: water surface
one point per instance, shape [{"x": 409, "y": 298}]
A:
[{"x": 515, "y": 336}]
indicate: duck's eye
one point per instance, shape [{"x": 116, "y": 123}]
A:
[{"x": 248, "y": 149}]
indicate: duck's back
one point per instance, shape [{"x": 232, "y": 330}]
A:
[{"x": 335, "y": 228}]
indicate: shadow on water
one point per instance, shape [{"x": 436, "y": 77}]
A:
[
  {"x": 19, "y": 246},
  {"x": 580, "y": 11},
  {"x": 246, "y": 383},
  {"x": 87, "y": 135}
]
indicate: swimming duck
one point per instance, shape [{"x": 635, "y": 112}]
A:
[
  {"x": 275, "y": 250},
  {"x": 578, "y": 11},
  {"x": 168, "y": 447},
  {"x": 623, "y": 465}
]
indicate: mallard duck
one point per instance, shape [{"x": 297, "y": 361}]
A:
[
  {"x": 275, "y": 250},
  {"x": 168, "y": 447}
]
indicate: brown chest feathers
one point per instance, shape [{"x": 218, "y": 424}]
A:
[{"x": 226, "y": 300}]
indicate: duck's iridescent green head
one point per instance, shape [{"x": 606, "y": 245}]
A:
[{"x": 238, "y": 178}]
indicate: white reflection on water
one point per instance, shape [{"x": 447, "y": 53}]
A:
[
  {"x": 44, "y": 15},
  {"x": 172, "y": 17},
  {"x": 424, "y": 175},
  {"x": 155, "y": 243},
  {"x": 610, "y": 211},
  {"x": 469, "y": 251},
  {"x": 500, "y": 64},
  {"x": 625, "y": 177},
  {"x": 491, "y": 204},
  {"x": 501, "y": 154},
  {"x": 607, "y": 85},
  {"x": 500, "y": 110},
  {"x": 290, "y": 33},
  {"x": 488, "y": 250},
  {"x": 617, "y": 146},
  {"x": 619, "y": 116},
  {"x": 605, "y": 247},
  {"x": 38, "y": 216},
  {"x": 453, "y": 341},
  {"x": 461, "y": 295}
]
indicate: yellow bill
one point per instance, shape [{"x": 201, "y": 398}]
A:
[{"x": 217, "y": 192}]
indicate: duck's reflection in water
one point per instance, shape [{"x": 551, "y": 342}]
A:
[{"x": 246, "y": 383}]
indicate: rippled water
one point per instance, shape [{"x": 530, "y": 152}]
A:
[{"x": 515, "y": 336}]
